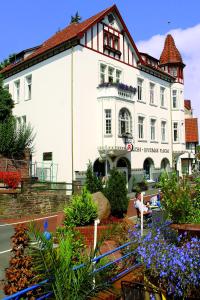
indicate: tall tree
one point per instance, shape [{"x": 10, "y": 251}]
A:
[{"x": 6, "y": 102}]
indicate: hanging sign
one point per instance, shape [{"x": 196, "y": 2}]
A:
[{"x": 129, "y": 147}]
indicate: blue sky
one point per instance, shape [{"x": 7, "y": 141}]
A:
[{"x": 25, "y": 24}]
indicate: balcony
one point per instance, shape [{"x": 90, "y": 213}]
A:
[{"x": 116, "y": 90}]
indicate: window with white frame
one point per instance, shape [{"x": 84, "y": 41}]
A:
[
  {"x": 162, "y": 96},
  {"x": 21, "y": 120},
  {"x": 139, "y": 88},
  {"x": 124, "y": 121},
  {"x": 175, "y": 132},
  {"x": 16, "y": 91},
  {"x": 28, "y": 87},
  {"x": 151, "y": 93},
  {"x": 108, "y": 121},
  {"x": 102, "y": 73},
  {"x": 6, "y": 87},
  {"x": 118, "y": 76},
  {"x": 174, "y": 99},
  {"x": 141, "y": 127},
  {"x": 153, "y": 129},
  {"x": 109, "y": 74},
  {"x": 163, "y": 131}
]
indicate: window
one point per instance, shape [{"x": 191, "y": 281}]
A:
[
  {"x": 175, "y": 131},
  {"x": 21, "y": 120},
  {"x": 163, "y": 131},
  {"x": 140, "y": 83},
  {"x": 174, "y": 99},
  {"x": 153, "y": 129},
  {"x": 152, "y": 93},
  {"x": 110, "y": 74},
  {"x": 141, "y": 127},
  {"x": 16, "y": 91},
  {"x": 116, "y": 43},
  {"x": 102, "y": 73},
  {"x": 118, "y": 76},
  {"x": 108, "y": 124},
  {"x": 6, "y": 87},
  {"x": 173, "y": 71},
  {"x": 111, "y": 41},
  {"x": 24, "y": 119},
  {"x": 162, "y": 97},
  {"x": 28, "y": 87},
  {"x": 124, "y": 121}
]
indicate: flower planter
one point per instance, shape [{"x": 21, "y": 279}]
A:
[{"x": 192, "y": 230}]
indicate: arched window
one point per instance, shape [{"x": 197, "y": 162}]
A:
[{"x": 124, "y": 121}]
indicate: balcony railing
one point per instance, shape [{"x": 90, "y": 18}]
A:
[{"x": 116, "y": 90}]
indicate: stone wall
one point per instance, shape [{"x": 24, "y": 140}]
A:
[{"x": 31, "y": 203}]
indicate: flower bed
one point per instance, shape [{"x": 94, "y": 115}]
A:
[
  {"x": 171, "y": 262},
  {"x": 11, "y": 179}
]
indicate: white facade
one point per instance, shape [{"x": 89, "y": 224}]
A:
[{"x": 78, "y": 120}]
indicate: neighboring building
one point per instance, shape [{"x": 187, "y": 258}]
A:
[
  {"x": 91, "y": 95},
  {"x": 188, "y": 160}
]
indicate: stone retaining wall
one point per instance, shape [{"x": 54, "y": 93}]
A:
[{"x": 32, "y": 203}]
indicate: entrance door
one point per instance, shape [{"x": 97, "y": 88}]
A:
[{"x": 147, "y": 169}]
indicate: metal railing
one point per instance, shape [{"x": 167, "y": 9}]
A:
[{"x": 18, "y": 295}]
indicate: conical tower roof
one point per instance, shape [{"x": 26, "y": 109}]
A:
[{"x": 170, "y": 53}]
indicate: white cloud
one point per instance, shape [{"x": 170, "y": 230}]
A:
[{"x": 188, "y": 43}]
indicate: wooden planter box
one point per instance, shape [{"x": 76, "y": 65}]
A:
[{"x": 193, "y": 230}]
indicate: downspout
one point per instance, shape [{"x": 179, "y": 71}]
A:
[
  {"x": 72, "y": 112},
  {"x": 171, "y": 121}
]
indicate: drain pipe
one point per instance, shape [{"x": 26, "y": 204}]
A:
[{"x": 72, "y": 113}]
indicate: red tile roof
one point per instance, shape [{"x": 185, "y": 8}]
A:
[
  {"x": 170, "y": 53},
  {"x": 187, "y": 104},
  {"x": 191, "y": 130},
  {"x": 72, "y": 31}
]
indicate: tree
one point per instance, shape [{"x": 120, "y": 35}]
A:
[
  {"x": 15, "y": 137},
  {"x": 6, "y": 102},
  {"x": 7, "y": 61},
  {"x": 116, "y": 192},
  {"x": 75, "y": 19},
  {"x": 93, "y": 183}
]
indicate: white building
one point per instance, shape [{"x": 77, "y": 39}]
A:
[{"x": 88, "y": 91}]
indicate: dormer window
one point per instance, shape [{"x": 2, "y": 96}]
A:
[{"x": 111, "y": 43}]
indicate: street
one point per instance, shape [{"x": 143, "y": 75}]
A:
[{"x": 5, "y": 245}]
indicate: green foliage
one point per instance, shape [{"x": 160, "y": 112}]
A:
[
  {"x": 81, "y": 210},
  {"x": 6, "y": 102},
  {"x": 116, "y": 192},
  {"x": 93, "y": 183},
  {"x": 177, "y": 200},
  {"x": 7, "y": 61},
  {"x": 58, "y": 263},
  {"x": 15, "y": 138}
]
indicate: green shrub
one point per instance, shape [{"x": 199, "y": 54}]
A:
[
  {"x": 15, "y": 138},
  {"x": 177, "y": 200},
  {"x": 81, "y": 210},
  {"x": 93, "y": 183},
  {"x": 116, "y": 192}
]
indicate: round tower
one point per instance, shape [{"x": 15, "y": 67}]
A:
[{"x": 171, "y": 60}]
